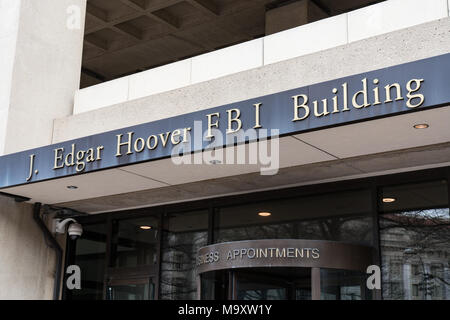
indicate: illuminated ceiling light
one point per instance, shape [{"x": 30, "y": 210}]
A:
[
  {"x": 264, "y": 214},
  {"x": 421, "y": 126},
  {"x": 145, "y": 227},
  {"x": 72, "y": 187},
  {"x": 389, "y": 200}
]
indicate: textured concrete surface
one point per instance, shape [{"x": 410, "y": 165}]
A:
[
  {"x": 341, "y": 29},
  {"x": 27, "y": 264},
  {"x": 9, "y": 25},
  {"x": 418, "y": 42},
  {"x": 46, "y": 72}
]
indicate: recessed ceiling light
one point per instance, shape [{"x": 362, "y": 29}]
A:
[
  {"x": 389, "y": 200},
  {"x": 145, "y": 227},
  {"x": 421, "y": 126},
  {"x": 72, "y": 187},
  {"x": 264, "y": 214}
]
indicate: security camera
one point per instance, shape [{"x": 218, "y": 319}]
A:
[{"x": 75, "y": 230}]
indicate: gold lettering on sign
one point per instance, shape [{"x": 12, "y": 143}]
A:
[
  {"x": 303, "y": 105},
  {"x": 345, "y": 96},
  {"x": 139, "y": 145},
  {"x": 70, "y": 156},
  {"x": 58, "y": 157},
  {"x": 120, "y": 143},
  {"x": 363, "y": 92},
  {"x": 376, "y": 92},
  {"x": 410, "y": 96},
  {"x": 30, "y": 174},
  {"x": 235, "y": 119},
  {"x": 149, "y": 142},
  {"x": 324, "y": 110},
  {"x": 174, "y": 138},
  {"x": 388, "y": 92},
  {"x": 90, "y": 155},
  {"x": 364, "y": 98},
  {"x": 164, "y": 138},
  {"x": 99, "y": 153},
  {"x": 257, "y": 117},
  {"x": 211, "y": 124},
  {"x": 185, "y": 134},
  {"x": 76, "y": 158}
]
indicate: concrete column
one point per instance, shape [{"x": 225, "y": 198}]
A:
[
  {"x": 27, "y": 264},
  {"x": 40, "y": 61},
  {"x": 407, "y": 294}
]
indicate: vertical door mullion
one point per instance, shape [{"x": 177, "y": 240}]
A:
[{"x": 315, "y": 284}]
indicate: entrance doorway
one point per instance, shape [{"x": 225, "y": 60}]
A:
[
  {"x": 273, "y": 284},
  {"x": 278, "y": 283},
  {"x": 286, "y": 269},
  {"x": 131, "y": 289}
]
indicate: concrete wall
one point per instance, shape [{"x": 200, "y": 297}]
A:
[
  {"x": 42, "y": 59},
  {"x": 27, "y": 264},
  {"x": 410, "y": 44},
  {"x": 314, "y": 37},
  {"x": 9, "y": 25}
]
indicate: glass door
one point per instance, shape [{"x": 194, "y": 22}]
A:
[
  {"x": 280, "y": 283},
  {"x": 338, "y": 284},
  {"x": 131, "y": 289},
  {"x": 273, "y": 284}
]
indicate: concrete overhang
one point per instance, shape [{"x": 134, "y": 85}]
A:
[{"x": 369, "y": 148}]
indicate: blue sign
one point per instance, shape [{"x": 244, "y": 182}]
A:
[{"x": 409, "y": 87}]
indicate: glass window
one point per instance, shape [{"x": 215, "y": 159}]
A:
[
  {"x": 414, "y": 234},
  {"x": 415, "y": 290},
  {"x": 135, "y": 242},
  {"x": 90, "y": 257},
  {"x": 184, "y": 234},
  {"x": 140, "y": 289},
  {"x": 214, "y": 285},
  {"x": 340, "y": 216},
  {"x": 343, "y": 285}
]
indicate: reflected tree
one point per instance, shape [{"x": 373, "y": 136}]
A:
[{"x": 415, "y": 252}]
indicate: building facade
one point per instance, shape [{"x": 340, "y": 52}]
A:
[{"x": 220, "y": 149}]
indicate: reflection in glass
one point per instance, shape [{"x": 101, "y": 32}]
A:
[
  {"x": 257, "y": 284},
  {"x": 343, "y": 285},
  {"x": 341, "y": 216},
  {"x": 184, "y": 234},
  {"x": 135, "y": 242},
  {"x": 415, "y": 242},
  {"x": 214, "y": 285},
  {"x": 137, "y": 291},
  {"x": 90, "y": 257}
]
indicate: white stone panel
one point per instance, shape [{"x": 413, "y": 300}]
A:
[
  {"x": 101, "y": 95},
  {"x": 165, "y": 78},
  {"x": 9, "y": 17},
  {"x": 309, "y": 38},
  {"x": 234, "y": 59},
  {"x": 393, "y": 15}
]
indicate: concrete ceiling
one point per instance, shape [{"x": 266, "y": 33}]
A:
[
  {"x": 368, "y": 148},
  {"x": 123, "y": 37}
]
